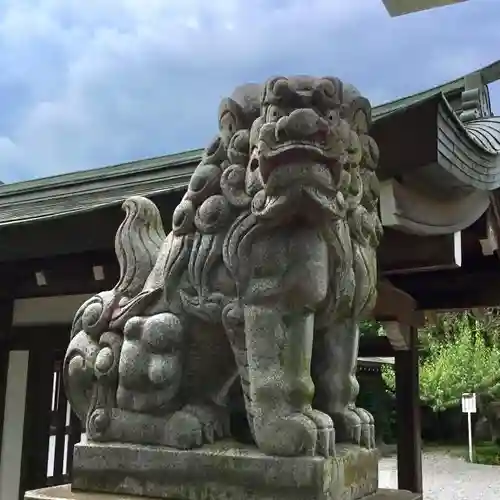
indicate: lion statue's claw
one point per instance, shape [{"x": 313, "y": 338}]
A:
[
  {"x": 325, "y": 444},
  {"x": 356, "y": 425},
  {"x": 367, "y": 428}
]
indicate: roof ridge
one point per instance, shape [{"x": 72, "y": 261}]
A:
[
  {"x": 109, "y": 172},
  {"x": 489, "y": 74}
]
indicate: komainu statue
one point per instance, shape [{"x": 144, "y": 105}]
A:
[{"x": 254, "y": 297}]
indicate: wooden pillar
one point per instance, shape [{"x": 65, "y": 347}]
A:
[
  {"x": 36, "y": 442},
  {"x": 4, "y": 369},
  {"x": 408, "y": 416},
  {"x": 13, "y": 425},
  {"x": 5, "y": 385}
]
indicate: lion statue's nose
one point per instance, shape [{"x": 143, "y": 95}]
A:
[{"x": 300, "y": 124}]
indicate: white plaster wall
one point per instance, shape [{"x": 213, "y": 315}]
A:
[
  {"x": 54, "y": 310},
  {"x": 13, "y": 425}
]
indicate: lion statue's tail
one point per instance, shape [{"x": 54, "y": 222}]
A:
[{"x": 137, "y": 244}]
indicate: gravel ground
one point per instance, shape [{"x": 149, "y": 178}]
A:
[{"x": 448, "y": 478}]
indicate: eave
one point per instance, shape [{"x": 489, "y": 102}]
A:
[
  {"x": 488, "y": 74},
  {"x": 79, "y": 192},
  {"x": 437, "y": 173},
  {"x": 72, "y": 193}
]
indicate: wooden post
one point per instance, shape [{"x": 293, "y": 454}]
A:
[
  {"x": 37, "y": 419},
  {"x": 408, "y": 417},
  {"x": 4, "y": 368},
  {"x": 5, "y": 331}
]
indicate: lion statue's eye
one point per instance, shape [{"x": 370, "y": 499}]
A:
[
  {"x": 333, "y": 117},
  {"x": 274, "y": 113},
  {"x": 228, "y": 123}
]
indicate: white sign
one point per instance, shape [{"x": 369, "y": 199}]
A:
[
  {"x": 469, "y": 403},
  {"x": 469, "y": 407}
]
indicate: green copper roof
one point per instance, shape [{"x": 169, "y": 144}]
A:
[
  {"x": 87, "y": 190},
  {"x": 489, "y": 74},
  {"x": 76, "y": 192},
  {"x": 112, "y": 173}
]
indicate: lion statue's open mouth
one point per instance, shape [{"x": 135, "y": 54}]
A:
[{"x": 300, "y": 146}]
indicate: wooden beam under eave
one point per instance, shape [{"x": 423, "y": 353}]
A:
[
  {"x": 398, "y": 335},
  {"x": 394, "y": 304},
  {"x": 454, "y": 289},
  {"x": 88, "y": 272},
  {"x": 404, "y": 253}
]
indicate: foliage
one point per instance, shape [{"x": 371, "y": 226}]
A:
[
  {"x": 374, "y": 397},
  {"x": 371, "y": 328},
  {"x": 389, "y": 377},
  {"x": 461, "y": 354},
  {"x": 444, "y": 327},
  {"x": 486, "y": 454}
]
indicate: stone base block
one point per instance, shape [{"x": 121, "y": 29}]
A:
[
  {"x": 65, "y": 493},
  {"x": 224, "y": 471}
]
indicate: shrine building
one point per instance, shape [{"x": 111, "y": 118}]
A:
[{"x": 440, "y": 207}]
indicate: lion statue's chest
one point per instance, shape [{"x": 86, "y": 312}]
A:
[{"x": 291, "y": 263}]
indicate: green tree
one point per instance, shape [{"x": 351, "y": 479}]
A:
[
  {"x": 460, "y": 355},
  {"x": 371, "y": 328}
]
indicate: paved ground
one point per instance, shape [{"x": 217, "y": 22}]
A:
[{"x": 449, "y": 478}]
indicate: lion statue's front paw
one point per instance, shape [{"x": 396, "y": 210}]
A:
[
  {"x": 308, "y": 433},
  {"x": 214, "y": 420},
  {"x": 150, "y": 369}
]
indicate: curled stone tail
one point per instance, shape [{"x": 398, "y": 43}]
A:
[{"x": 137, "y": 244}]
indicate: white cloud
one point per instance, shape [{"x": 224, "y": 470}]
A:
[{"x": 98, "y": 82}]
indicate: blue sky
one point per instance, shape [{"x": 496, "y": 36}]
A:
[{"x": 88, "y": 83}]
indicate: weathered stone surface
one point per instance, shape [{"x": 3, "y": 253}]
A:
[
  {"x": 252, "y": 301},
  {"x": 224, "y": 471},
  {"x": 65, "y": 493},
  {"x": 394, "y": 495},
  {"x": 261, "y": 283}
]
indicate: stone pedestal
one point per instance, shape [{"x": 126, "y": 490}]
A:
[
  {"x": 223, "y": 471},
  {"x": 64, "y": 493}
]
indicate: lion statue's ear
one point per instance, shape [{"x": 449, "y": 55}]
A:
[{"x": 356, "y": 109}]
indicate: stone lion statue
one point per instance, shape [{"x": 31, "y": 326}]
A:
[{"x": 256, "y": 293}]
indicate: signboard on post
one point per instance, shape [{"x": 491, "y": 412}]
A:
[
  {"x": 469, "y": 406},
  {"x": 469, "y": 403}
]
